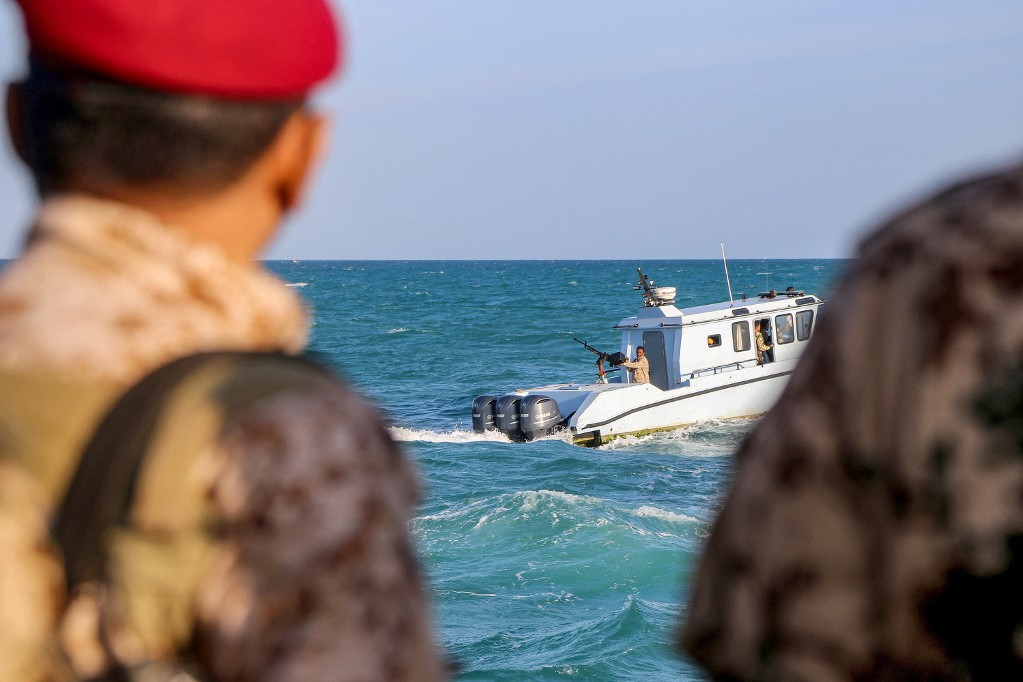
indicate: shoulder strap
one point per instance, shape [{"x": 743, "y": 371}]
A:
[{"x": 102, "y": 489}]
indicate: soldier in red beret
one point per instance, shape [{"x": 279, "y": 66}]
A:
[{"x": 220, "y": 509}]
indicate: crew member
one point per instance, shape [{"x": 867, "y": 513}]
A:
[
  {"x": 640, "y": 367},
  {"x": 263, "y": 533},
  {"x": 763, "y": 347}
]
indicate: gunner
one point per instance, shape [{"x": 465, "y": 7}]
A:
[{"x": 640, "y": 368}]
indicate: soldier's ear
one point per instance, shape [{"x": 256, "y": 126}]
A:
[
  {"x": 295, "y": 152},
  {"x": 15, "y": 122}
]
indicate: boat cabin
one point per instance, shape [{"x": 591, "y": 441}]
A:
[{"x": 684, "y": 344}]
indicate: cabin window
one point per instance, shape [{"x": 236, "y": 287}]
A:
[
  {"x": 714, "y": 341},
  {"x": 785, "y": 330},
  {"x": 740, "y": 336},
  {"x": 804, "y": 323}
]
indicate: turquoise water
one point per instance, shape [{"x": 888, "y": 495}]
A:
[{"x": 545, "y": 560}]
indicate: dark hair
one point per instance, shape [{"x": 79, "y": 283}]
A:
[
  {"x": 638, "y": 348},
  {"x": 87, "y": 128}
]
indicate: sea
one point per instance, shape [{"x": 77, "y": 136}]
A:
[{"x": 544, "y": 560}]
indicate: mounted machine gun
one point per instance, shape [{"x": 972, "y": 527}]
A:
[
  {"x": 613, "y": 359},
  {"x": 653, "y": 295}
]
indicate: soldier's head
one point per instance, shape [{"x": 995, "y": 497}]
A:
[
  {"x": 640, "y": 351},
  {"x": 190, "y": 104}
]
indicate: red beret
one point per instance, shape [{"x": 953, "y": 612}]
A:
[{"x": 244, "y": 49}]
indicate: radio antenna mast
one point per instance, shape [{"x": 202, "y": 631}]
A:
[{"x": 728, "y": 281}]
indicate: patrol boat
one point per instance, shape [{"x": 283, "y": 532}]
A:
[{"x": 703, "y": 365}]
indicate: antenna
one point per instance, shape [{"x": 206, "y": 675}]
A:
[{"x": 728, "y": 281}]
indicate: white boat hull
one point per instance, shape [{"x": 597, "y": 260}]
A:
[{"x": 641, "y": 408}]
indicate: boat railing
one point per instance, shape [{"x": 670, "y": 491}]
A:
[{"x": 739, "y": 364}]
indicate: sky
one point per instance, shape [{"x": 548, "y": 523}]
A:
[{"x": 591, "y": 129}]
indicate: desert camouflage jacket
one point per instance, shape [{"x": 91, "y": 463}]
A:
[
  {"x": 874, "y": 529},
  {"x": 640, "y": 370},
  {"x": 273, "y": 546}
]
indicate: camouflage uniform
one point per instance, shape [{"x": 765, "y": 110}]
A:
[
  {"x": 271, "y": 545},
  {"x": 762, "y": 347},
  {"x": 874, "y": 529},
  {"x": 640, "y": 370}
]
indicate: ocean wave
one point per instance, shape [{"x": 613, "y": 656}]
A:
[
  {"x": 296, "y": 284},
  {"x": 553, "y": 517},
  {"x": 407, "y": 435},
  {"x": 511, "y": 507},
  {"x": 655, "y": 513},
  {"x": 531, "y": 499},
  {"x": 398, "y": 330}
]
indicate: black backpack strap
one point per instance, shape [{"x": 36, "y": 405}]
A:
[{"x": 102, "y": 489}]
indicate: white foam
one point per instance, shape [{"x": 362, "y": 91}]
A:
[
  {"x": 453, "y": 512},
  {"x": 655, "y": 513},
  {"x": 407, "y": 435},
  {"x": 297, "y": 284},
  {"x": 531, "y": 498},
  {"x": 693, "y": 436},
  {"x": 625, "y": 442},
  {"x": 445, "y": 515},
  {"x": 397, "y": 330}
]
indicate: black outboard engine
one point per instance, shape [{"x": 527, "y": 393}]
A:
[
  {"x": 506, "y": 416},
  {"x": 539, "y": 416},
  {"x": 483, "y": 414}
]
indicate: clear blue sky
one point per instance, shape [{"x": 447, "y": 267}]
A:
[{"x": 598, "y": 129}]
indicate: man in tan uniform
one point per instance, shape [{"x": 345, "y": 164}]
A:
[
  {"x": 640, "y": 368},
  {"x": 762, "y": 345},
  {"x": 874, "y": 529},
  {"x": 261, "y": 533}
]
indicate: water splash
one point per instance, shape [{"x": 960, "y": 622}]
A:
[{"x": 408, "y": 435}]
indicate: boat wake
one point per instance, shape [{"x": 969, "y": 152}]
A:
[
  {"x": 714, "y": 437},
  {"x": 407, "y": 435},
  {"x": 710, "y": 437}
]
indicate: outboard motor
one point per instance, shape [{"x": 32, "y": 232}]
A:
[
  {"x": 483, "y": 414},
  {"x": 506, "y": 416},
  {"x": 539, "y": 416}
]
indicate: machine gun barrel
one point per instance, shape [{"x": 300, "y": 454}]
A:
[{"x": 600, "y": 354}]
